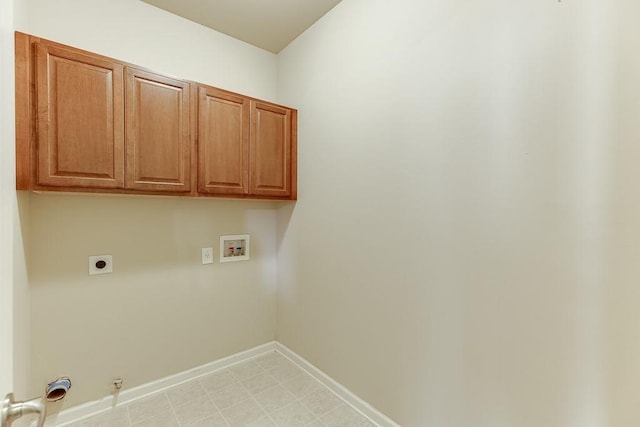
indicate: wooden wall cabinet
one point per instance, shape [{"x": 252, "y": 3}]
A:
[
  {"x": 80, "y": 119},
  {"x": 223, "y": 142},
  {"x": 96, "y": 124},
  {"x": 159, "y": 147},
  {"x": 245, "y": 146},
  {"x": 89, "y": 123},
  {"x": 271, "y": 150}
]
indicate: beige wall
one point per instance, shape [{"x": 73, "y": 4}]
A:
[
  {"x": 464, "y": 249},
  {"x": 161, "y": 311},
  {"x": 622, "y": 296}
]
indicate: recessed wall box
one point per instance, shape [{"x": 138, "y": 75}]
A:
[
  {"x": 234, "y": 247},
  {"x": 100, "y": 264}
]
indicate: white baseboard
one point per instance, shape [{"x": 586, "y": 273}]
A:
[
  {"x": 124, "y": 397},
  {"x": 345, "y": 394}
]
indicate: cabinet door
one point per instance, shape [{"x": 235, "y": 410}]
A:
[
  {"x": 270, "y": 151},
  {"x": 223, "y": 141},
  {"x": 80, "y": 119},
  {"x": 158, "y": 133}
]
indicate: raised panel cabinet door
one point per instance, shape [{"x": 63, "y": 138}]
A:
[
  {"x": 80, "y": 119},
  {"x": 223, "y": 142},
  {"x": 270, "y": 150},
  {"x": 158, "y": 133}
]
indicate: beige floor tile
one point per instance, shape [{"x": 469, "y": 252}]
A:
[
  {"x": 267, "y": 391},
  {"x": 292, "y": 415},
  {"x": 270, "y": 360},
  {"x": 243, "y": 413},
  {"x": 321, "y": 401},
  {"x": 148, "y": 407},
  {"x": 195, "y": 410},
  {"x": 185, "y": 392},
  {"x": 216, "y": 420},
  {"x": 344, "y": 416},
  {"x": 217, "y": 380},
  {"x": 259, "y": 383},
  {"x": 302, "y": 385},
  {"x": 164, "y": 419},
  {"x": 285, "y": 370},
  {"x": 274, "y": 398},
  {"x": 246, "y": 370},
  {"x": 263, "y": 422},
  {"x": 229, "y": 396}
]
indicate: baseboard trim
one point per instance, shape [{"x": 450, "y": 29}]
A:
[
  {"x": 126, "y": 396},
  {"x": 344, "y": 393}
]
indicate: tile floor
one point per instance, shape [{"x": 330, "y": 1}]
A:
[{"x": 266, "y": 391}]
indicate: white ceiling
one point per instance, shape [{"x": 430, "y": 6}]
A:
[{"x": 268, "y": 24}]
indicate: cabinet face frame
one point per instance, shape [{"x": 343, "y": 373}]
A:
[
  {"x": 175, "y": 141},
  {"x": 25, "y": 113}
]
